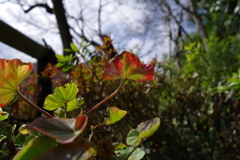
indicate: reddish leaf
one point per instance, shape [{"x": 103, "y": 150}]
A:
[
  {"x": 12, "y": 73},
  {"x": 65, "y": 130},
  {"x": 128, "y": 66},
  {"x": 81, "y": 122}
]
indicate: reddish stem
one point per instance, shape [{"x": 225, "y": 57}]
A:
[
  {"x": 36, "y": 107},
  {"x": 99, "y": 125},
  {"x": 110, "y": 96}
]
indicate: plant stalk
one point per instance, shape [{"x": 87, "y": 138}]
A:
[
  {"x": 36, "y": 107},
  {"x": 110, "y": 96}
]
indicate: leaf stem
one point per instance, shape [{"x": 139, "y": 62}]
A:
[
  {"x": 36, "y": 107},
  {"x": 110, "y": 96},
  {"x": 99, "y": 125}
]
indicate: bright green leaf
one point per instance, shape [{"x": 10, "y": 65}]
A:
[
  {"x": 35, "y": 147},
  {"x": 3, "y": 115},
  {"x": 67, "y": 50},
  {"x": 74, "y": 104},
  {"x": 12, "y": 73},
  {"x": 115, "y": 115},
  {"x": 60, "y": 57},
  {"x": 61, "y": 96},
  {"x": 73, "y": 47}
]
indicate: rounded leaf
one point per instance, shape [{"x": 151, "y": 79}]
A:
[
  {"x": 24, "y": 129},
  {"x": 12, "y": 73},
  {"x": 128, "y": 66},
  {"x": 114, "y": 115},
  {"x": 133, "y": 138},
  {"x": 137, "y": 154},
  {"x": 147, "y": 128},
  {"x": 62, "y": 95},
  {"x": 64, "y": 130},
  {"x": 144, "y": 130}
]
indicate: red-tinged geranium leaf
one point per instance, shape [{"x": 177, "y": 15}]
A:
[
  {"x": 12, "y": 73},
  {"x": 81, "y": 122},
  {"x": 128, "y": 66},
  {"x": 64, "y": 130}
]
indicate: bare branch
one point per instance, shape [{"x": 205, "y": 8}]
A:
[
  {"x": 85, "y": 38},
  {"x": 99, "y": 17},
  {"x": 197, "y": 19},
  {"x": 177, "y": 21},
  {"x": 43, "y": 5}
]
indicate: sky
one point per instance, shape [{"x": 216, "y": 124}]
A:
[{"x": 123, "y": 22}]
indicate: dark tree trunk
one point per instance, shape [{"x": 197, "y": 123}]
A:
[{"x": 62, "y": 24}]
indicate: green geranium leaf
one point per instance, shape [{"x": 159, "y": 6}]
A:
[
  {"x": 62, "y": 96},
  {"x": 35, "y": 147},
  {"x": 144, "y": 130},
  {"x": 133, "y": 138},
  {"x": 114, "y": 115},
  {"x": 147, "y": 128},
  {"x": 12, "y": 73},
  {"x": 74, "y": 104},
  {"x": 118, "y": 145},
  {"x": 64, "y": 130},
  {"x": 138, "y": 154}
]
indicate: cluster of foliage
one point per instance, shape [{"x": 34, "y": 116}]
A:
[
  {"x": 62, "y": 136},
  {"x": 198, "y": 104}
]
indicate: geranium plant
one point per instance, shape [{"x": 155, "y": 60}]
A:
[{"x": 60, "y": 137}]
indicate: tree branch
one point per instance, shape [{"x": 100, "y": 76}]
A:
[
  {"x": 99, "y": 17},
  {"x": 43, "y": 5},
  {"x": 197, "y": 19}
]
